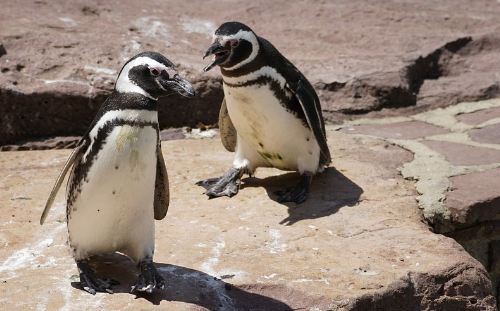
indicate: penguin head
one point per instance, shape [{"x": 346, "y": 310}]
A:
[
  {"x": 152, "y": 75},
  {"x": 234, "y": 44}
]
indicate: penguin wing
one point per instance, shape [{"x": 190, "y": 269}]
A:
[
  {"x": 305, "y": 94},
  {"x": 309, "y": 102},
  {"x": 162, "y": 193},
  {"x": 74, "y": 157},
  {"x": 228, "y": 132}
]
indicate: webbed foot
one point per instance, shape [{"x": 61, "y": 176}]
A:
[
  {"x": 298, "y": 194},
  {"x": 226, "y": 185},
  {"x": 92, "y": 282},
  {"x": 149, "y": 279}
]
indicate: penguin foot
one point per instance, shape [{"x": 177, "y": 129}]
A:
[
  {"x": 92, "y": 282},
  {"x": 298, "y": 194},
  {"x": 226, "y": 185},
  {"x": 149, "y": 279}
]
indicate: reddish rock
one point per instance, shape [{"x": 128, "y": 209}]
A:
[
  {"x": 480, "y": 116},
  {"x": 65, "y": 142},
  {"x": 483, "y": 242},
  {"x": 489, "y": 135},
  {"x": 474, "y": 197},
  {"x": 400, "y": 130},
  {"x": 461, "y": 154},
  {"x": 462, "y": 72}
]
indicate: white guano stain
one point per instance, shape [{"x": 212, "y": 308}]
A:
[
  {"x": 274, "y": 245},
  {"x": 205, "y": 27},
  {"x": 30, "y": 256},
  {"x": 210, "y": 263},
  {"x": 100, "y": 70},
  {"x": 151, "y": 26},
  {"x": 63, "y": 81},
  {"x": 68, "y": 20},
  {"x": 270, "y": 276}
]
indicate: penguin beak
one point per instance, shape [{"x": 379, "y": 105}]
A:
[
  {"x": 178, "y": 85},
  {"x": 220, "y": 54}
]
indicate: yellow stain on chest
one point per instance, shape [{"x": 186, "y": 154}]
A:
[
  {"x": 130, "y": 135},
  {"x": 127, "y": 133}
]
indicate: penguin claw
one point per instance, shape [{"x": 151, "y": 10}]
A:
[
  {"x": 282, "y": 192},
  {"x": 298, "y": 194},
  {"x": 226, "y": 185},
  {"x": 229, "y": 190},
  {"x": 208, "y": 183},
  {"x": 91, "y": 282},
  {"x": 149, "y": 279},
  {"x": 293, "y": 195},
  {"x": 95, "y": 283}
]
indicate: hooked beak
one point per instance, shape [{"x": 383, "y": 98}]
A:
[
  {"x": 220, "y": 54},
  {"x": 179, "y": 85}
]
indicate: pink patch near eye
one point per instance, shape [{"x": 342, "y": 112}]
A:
[
  {"x": 154, "y": 71},
  {"x": 234, "y": 43},
  {"x": 171, "y": 72}
]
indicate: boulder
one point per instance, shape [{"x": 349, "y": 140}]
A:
[{"x": 358, "y": 243}]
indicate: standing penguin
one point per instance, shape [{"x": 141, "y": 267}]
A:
[
  {"x": 118, "y": 183},
  {"x": 270, "y": 115}
]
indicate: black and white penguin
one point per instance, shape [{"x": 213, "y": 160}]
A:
[
  {"x": 118, "y": 183},
  {"x": 270, "y": 115}
]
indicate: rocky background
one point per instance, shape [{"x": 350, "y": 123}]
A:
[
  {"x": 59, "y": 59},
  {"x": 410, "y": 161}
]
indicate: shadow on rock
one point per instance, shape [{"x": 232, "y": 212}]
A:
[
  {"x": 330, "y": 191},
  {"x": 184, "y": 285}
]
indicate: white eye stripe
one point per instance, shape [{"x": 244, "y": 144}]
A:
[
  {"x": 125, "y": 85},
  {"x": 248, "y": 36}
]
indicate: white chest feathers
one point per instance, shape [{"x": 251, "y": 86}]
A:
[
  {"x": 114, "y": 209},
  {"x": 268, "y": 133}
]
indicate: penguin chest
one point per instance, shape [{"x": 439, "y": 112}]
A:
[
  {"x": 114, "y": 209},
  {"x": 279, "y": 138}
]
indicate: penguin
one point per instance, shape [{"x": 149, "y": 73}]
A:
[
  {"x": 118, "y": 183},
  {"x": 270, "y": 116}
]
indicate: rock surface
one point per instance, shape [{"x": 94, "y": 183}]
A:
[
  {"x": 455, "y": 172},
  {"x": 361, "y": 56},
  {"x": 358, "y": 243},
  {"x": 380, "y": 68}
]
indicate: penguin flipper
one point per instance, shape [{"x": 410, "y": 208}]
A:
[
  {"x": 228, "y": 132},
  {"x": 312, "y": 110},
  {"x": 77, "y": 153},
  {"x": 162, "y": 193}
]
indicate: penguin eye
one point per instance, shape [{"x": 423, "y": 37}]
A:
[
  {"x": 154, "y": 71},
  {"x": 235, "y": 43}
]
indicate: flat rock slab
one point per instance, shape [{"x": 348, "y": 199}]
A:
[
  {"x": 456, "y": 159},
  {"x": 464, "y": 155},
  {"x": 359, "y": 243},
  {"x": 398, "y": 130},
  {"x": 478, "y": 117},
  {"x": 489, "y": 134},
  {"x": 475, "y": 197}
]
